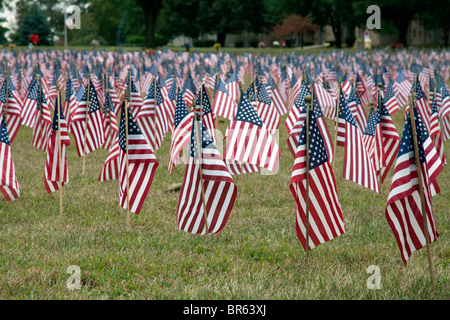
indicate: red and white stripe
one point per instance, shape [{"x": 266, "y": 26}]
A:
[
  {"x": 220, "y": 195},
  {"x": 326, "y": 221},
  {"x": 42, "y": 127},
  {"x": 52, "y": 180},
  {"x": 403, "y": 210},
  {"x": 142, "y": 165},
  {"x": 357, "y": 164},
  {"x": 251, "y": 144},
  {"x": 110, "y": 170},
  {"x": 9, "y": 186},
  {"x": 95, "y": 136},
  {"x": 223, "y": 105}
]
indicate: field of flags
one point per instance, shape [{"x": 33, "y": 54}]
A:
[{"x": 128, "y": 103}]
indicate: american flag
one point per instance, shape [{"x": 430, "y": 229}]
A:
[
  {"x": 403, "y": 210},
  {"x": 373, "y": 140},
  {"x": 134, "y": 97},
  {"x": 421, "y": 102},
  {"x": 435, "y": 131},
  {"x": 294, "y": 112},
  {"x": 142, "y": 164},
  {"x": 170, "y": 101},
  {"x": 249, "y": 141},
  {"x": 444, "y": 111},
  {"x": 9, "y": 186},
  {"x": 90, "y": 135},
  {"x": 232, "y": 86},
  {"x": 444, "y": 108},
  {"x": 295, "y": 89},
  {"x": 14, "y": 111},
  {"x": 266, "y": 110},
  {"x": 294, "y": 135},
  {"x": 223, "y": 104},
  {"x": 42, "y": 124},
  {"x": 390, "y": 99},
  {"x": 402, "y": 88},
  {"x": 217, "y": 186},
  {"x": 391, "y": 141},
  {"x": 354, "y": 103},
  {"x": 189, "y": 90},
  {"x": 53, "y": 167},
  {"x": 29, "y": 109},
  {"x": 110, "y": 170},
  {"x": 276, "y": 97},
  {"x": 207, "y": 115},
  {"x": 363, "y": 93},
  {"x": 357, "y": 164},
  {"x": 113, "y": 95},
  {"x": 109, "y": 122},
  {"x": 152, "y": 112},
  {"x": 182, "y": 129},
  {"x": 341, "y": 118},
  {"x": 325, "y": 215},
  {"x": 251, "y": 93},
  {"x": 70, "y": 102},
  {"x": 326, "y": 100}
]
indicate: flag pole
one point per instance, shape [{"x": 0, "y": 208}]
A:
[
  {"x": 155, "y": 127},
  {"x": 308, "y": 102},
  {"x": 108, "y": 92},
  {"x": 242, "y": 163},
  {"x": 126, "y": 154},
  {"x": 86, "y": 122},
  {"x": 336, "y": 124},
  {"x": 214, "y": 97},
  {"x": 6, "y": 95},
  {"x": 198, "y": 141},
  {"x": 58, "y": 107},
  {"x": 422, "y": 196}
]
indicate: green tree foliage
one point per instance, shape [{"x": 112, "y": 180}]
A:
[
  {"x": 434, "y": 18},
  {"x": 34, "y": 21},
  {"x": 194, "y": 18}
]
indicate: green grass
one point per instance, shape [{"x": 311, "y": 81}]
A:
[{"x": 257, "y": 256}]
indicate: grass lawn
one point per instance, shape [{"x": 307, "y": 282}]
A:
[{"x": 257, "y": 256}]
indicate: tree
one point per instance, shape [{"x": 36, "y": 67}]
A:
[
  {"x": 231, "y": 16},
  {"x": 151, "y": 9},
  {"x": 294, "y": 25},
  {"x": 179, "y": 17},
  {"x": 333, "y": 13},
  {"x": 437, "y": 19},
  {"x": 35, "y": 22}
]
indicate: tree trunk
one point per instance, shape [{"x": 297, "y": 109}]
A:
[
  {"x": 337, "y": 30},
  {"x": 446, "y": 35},
  {"x": 221, "y": 38},
  {"x": 403, "y": 34},
  {"x": 151, "y": 9}
]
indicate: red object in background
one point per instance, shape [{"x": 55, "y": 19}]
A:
[{"x": 34, "y": 39}]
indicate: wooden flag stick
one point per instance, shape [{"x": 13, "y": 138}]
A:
[
  {"x": 58, "y": 107},
  {"x": 422, "y": 196},
  {"x": 214, "y": 96},
  {"x": 86, "y": 122},
  {"x": 6, "y": 95},
  {"x": 155, "y": 127},
  {"x": 108, "y": 93},
  {"x": 336, "y": 124},
  {"x": 308, "y": 102},
  {"x": 199, "y": 154},
  {"x": 126, "y": 156}
]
